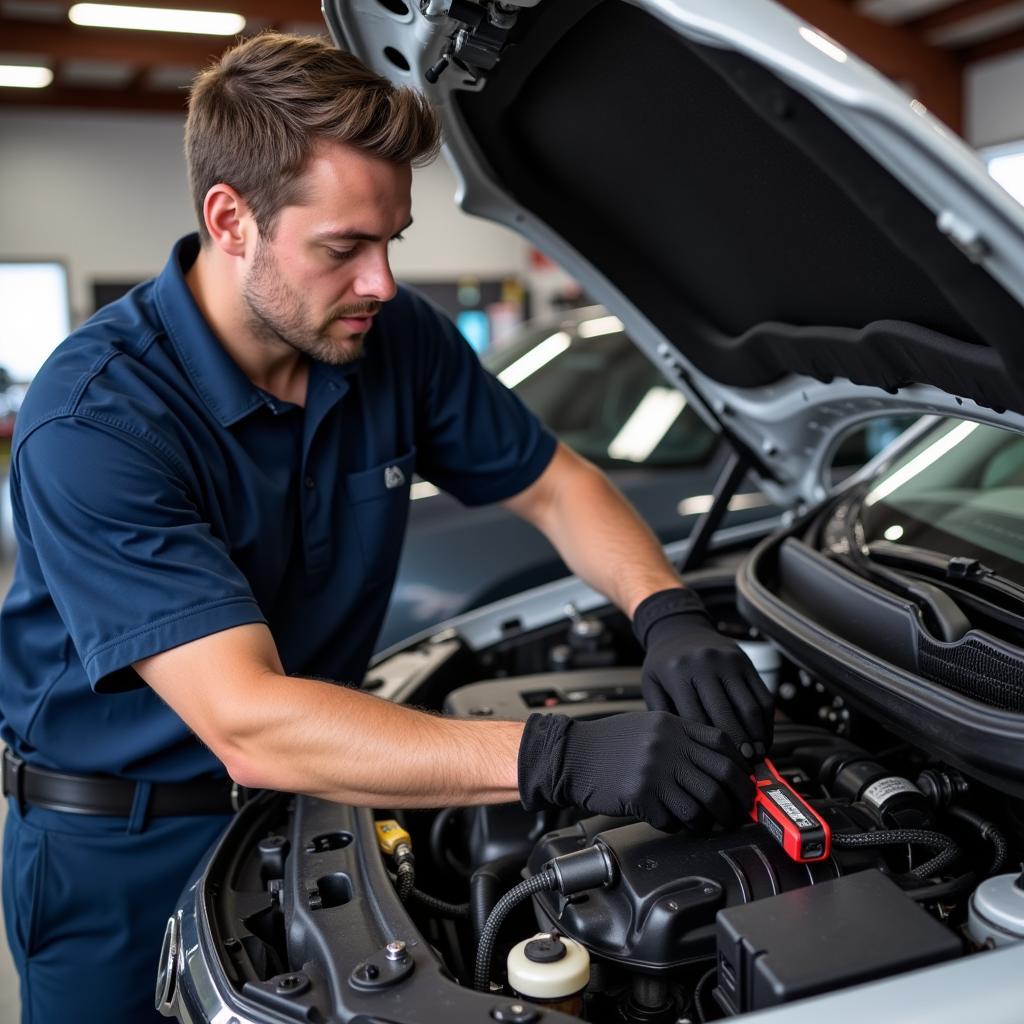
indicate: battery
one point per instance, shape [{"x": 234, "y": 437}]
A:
[{"x": 842, "y": 932}]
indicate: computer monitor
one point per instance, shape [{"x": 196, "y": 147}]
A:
[{"x": 35, "y": 314}]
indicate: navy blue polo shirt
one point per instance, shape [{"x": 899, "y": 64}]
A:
[{"x": 159, "y": 496}]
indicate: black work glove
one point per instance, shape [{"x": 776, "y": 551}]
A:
[
  {"x": 691, "y": 669},
  {"x": 646, "y": 764}
]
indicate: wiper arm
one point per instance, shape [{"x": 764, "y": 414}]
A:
[{"x": 969, "y": 572}]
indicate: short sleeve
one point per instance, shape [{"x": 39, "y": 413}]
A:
[
  {"x": 475, "y": 438},
  {"x": 127, "y": 557}
]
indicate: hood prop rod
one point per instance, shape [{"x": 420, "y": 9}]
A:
[{"x": 726, "y": 485}]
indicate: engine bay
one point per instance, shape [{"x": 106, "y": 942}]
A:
[{"x": 504, "y": 905}]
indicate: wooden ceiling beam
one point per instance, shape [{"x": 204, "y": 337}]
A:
[
  {"x": 138, "y": 80},
  {"x": 996, "y": 47},
  {"x": 94, "y": 99},
  {"x": 955, "y": 15},
  {"x": 71, "y": 41},
  {"x": 932, "y": 74}
]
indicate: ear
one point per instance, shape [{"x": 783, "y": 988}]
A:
[{"x": 228, "y": 220}]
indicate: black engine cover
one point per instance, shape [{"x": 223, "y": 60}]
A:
[{"x": 660, "y": 912}]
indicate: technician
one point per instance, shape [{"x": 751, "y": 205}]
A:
[{"x": 210, "y": 483}]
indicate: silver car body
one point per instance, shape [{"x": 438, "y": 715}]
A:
[{"x": 794, "y": 422}]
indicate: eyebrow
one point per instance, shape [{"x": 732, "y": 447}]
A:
[{"x": 356, "y": 236}]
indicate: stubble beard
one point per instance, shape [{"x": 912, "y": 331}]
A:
[{"x": 276, "y": 313}]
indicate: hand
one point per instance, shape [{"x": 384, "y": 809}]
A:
[
  {"x": 647, "y": 764},
  {"x": 691, "y": 669}
]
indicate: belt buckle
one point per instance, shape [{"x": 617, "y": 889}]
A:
[{"x": 14, "y": 778}]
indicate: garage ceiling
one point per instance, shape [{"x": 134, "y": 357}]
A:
[{"x": 922, "y": 44}]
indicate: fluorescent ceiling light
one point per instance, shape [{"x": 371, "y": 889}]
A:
[
  {"x": 538, "y": 356},
  {"x": 648, "y": 424},
  {"x": 17, "y": 76},
  {"x": 598, "y": 326},
  {"x": 157, "y": 19}
]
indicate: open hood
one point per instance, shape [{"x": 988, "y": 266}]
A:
[{"x": 795, "y": 241}]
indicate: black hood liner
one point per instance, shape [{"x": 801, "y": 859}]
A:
[{"x": 752, "y": 231}]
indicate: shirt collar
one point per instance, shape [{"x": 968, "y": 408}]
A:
[{"x": 217, "y": 378}]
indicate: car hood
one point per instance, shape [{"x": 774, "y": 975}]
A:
[{"x": 799, "y": 244}]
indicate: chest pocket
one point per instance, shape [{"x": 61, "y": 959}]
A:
[{"x": 378, "y": 500}]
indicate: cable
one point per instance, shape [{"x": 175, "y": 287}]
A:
[
  {"x": 987, "y": 831},
  {"x": 574, "y": 872},
  {"x": 698, "y": 992},
  {"x": 394, "y": 841},
  {"x": 440, "y": 906},
  {"x": 954, "y": 889},
  {"x": 406, "y": 881},
  {"x": 545, "y": 879},
  {"x": 948, "y": 850}
]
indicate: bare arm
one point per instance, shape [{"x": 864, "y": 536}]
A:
[
  {"x": 595, "y": 530},
  {"x": 273, "y": 731}
]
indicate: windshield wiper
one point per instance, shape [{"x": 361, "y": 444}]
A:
[
  {"x": 976, "y": 588},
  {"x": 970, "y": 573}
]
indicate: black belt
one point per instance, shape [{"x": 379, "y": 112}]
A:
[{"x": 97, "y": 794}]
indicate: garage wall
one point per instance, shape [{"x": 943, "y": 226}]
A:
[
  {"x": 994, "y": 100},
  {"x": 106, "y": 193}
]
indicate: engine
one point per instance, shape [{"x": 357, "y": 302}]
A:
[
  {"x": 609, "y": 920},
  {"x": 682, "y": 927}
]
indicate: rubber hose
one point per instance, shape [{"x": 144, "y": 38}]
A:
[
  {"x": 440, "y": 906},
  {"x": 948, "y": 850},
  {"x": 406, "y": 881},
  {"x": 987, "y": 831},
  {"x": 443, "y": 858},
  {"x": 488, "y": 937},
  {"x": 954, "y": 889},
  {"x": 486, "y": 887}
]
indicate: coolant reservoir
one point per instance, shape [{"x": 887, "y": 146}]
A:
[
  {"x": 550, "y": 969},
  {"x": 996, "y": 911}
]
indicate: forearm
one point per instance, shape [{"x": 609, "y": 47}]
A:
[
  {"x": 302, "y": 735},
  {"x": 598, "y": 533}
]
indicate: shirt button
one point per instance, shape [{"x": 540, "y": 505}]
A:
[{"x": 310, "y": 483}]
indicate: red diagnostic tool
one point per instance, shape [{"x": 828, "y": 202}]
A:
[{"x": 792, "y": 822}]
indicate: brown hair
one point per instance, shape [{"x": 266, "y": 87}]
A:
[{"x": 256, "y": 115}]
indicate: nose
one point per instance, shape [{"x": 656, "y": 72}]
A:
[{"x": 375, "y": 280}]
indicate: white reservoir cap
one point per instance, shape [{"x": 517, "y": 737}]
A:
[
  {"x": 548, "y": 967},
  {"x": 996, "y": 910}
]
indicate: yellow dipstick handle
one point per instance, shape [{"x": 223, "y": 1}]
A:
[{"x": 391, "y": 835}]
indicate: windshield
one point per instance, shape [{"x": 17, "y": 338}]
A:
[
  {"x": 601, "y": 395},
  {"x": 960, "y": 492}
]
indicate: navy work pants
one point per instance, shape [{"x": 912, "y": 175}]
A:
[{"x": 86, "y": 901}]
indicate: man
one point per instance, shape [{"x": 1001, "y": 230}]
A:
[{"x": 210, "y": 482}]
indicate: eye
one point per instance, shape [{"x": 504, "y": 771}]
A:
[
  {"x": 398, "y": 238},
  {"x": 341, "y": 254}
]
